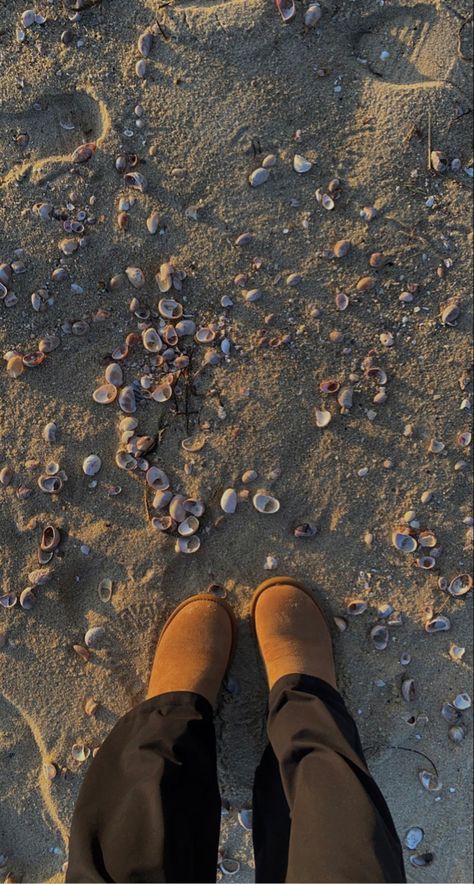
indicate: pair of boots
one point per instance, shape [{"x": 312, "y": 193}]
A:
[{"x": 291, "y": 632}]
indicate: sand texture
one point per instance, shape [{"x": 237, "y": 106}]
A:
[{"x": 226, "y": 85}]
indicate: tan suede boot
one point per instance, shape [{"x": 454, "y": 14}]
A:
[
  {"x": 292, "y": 632},
  {"x": 195, "y": 648}
]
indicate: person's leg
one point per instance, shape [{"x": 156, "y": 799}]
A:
[
  {"x": 341, "y": 828},
  {"x": 149, "y": 807}
]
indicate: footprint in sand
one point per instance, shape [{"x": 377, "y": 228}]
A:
[
  {"x": 48, "y": 132},
  {"x": 401, "y": 45}
]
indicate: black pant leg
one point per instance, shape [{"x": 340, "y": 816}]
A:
[
  {"x": 149, "y": 807},
  {"x": 271, "y": 821},
  {"x": 341, "y": 827}
]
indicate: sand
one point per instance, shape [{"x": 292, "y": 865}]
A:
[{"x": 227, "y": 84}]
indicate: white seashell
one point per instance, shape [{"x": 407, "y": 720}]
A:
[
  {"x": 327, "y": 202},
  {"x": 258, "y": 176},
  {"x": 152, "y": 341},
  {"x": 462, "y": 701},
  {"x": 49, "y": 432},
  {"x": 125, "y": 460},
  {"x": 379, "y": 636},
  {"x": 404, "y": 542},
  {"x": 127, "y": 400},
  {"x": 162, "y": 393},
  {"x": 176, "y": 508},
  {"x": 312, "y": 15},
  {"x": 152, "y": 223},
  {"x": 188, "y": 526},
  {"x": 135, "y": 276},
  {"x": 91, "y": 465},
  {"x": 323, "y": 417},
  {"x": 460, "y": 585},
  {"x": 264, "y": 503},
  {"x": 229, "y": 501},
  {"x": 193, "y": 443},
  {"x": 188, "y": 544},
  {"x": 170, "y": 309},
  {"x": 94, "y": 637},
  {"x": 105, "y": 394},
  {"x": 162, "y": 499},
  {"x": 414, "y": 837},
  {"x": 128, "y": 423},
  {"x": 429, "y": 781},
  {"x": 114, "y": 374},
  {"x": 195, "y": 507},
  {"x": 185, "y": 327},
  {"x": 270, "y": 563},
  {"x": 80, "y": 752},
  {"x": 301, "y": 164},
  {"x": 157, "y": 479}
]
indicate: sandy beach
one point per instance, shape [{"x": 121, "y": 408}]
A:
[{"x": 302, "y": 192}]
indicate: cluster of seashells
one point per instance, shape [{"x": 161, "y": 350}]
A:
[
  {"x": 452, "y": 712},
  {"x": 27, "y": 598},
  {"x": 17, "y": 363},
  {"x": 345, "y": 391},
  {"x": 8, "y": 270},
  {"x": 175, "y": 513}
]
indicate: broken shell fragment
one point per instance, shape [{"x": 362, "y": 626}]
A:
[
  {"x": 229, "y": 501},
  {"x": 105, "y": 589},
  {"x": 456, "y": 652},
  {"x": 460, "y": 585},
  {"x": 429, "y": 781},
  {"x": 90, "y": 706},
  {"x": 323, "y": 417},
  {"x": 438, "y": 161},
  {"x": 356, "y": 607},
  {"x": 379, "y": 636},
  {"x": 136, "y": 181},
  {"x": 341, "y": 623},
  {"x": 408, "y": 689},
  {"x": 369, "y": 213},
  {"x": 193, "y": 443},
  {"x": 80, "y": 752},
  {"x": 436, "y": 446},
  {"x": 450, "y": 312},
  {"x": 264, "y": 503},
  {"x": 91, "y": 465},
  {"x": 421, "y": 860},
  {"x": 105, "y": 394},
  {"x": 305, "y": 530},
  {"x": 439, "y": 623},
  {"x": 82, "y": 652},
  {"x": 345, "y": 398}
]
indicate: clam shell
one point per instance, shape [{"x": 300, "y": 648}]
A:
[
  {"x": 457, "y": 732},
  {"x": 105, "y": 589},
  {"x": 427, "y": 539},
  {"x": 8, "y": 600},
  {"x": 40, "y": 576},
  {"x": 379, "y": 636},
  {"x": 188, "y": 526},
  {"x": 356, "y": 607},
  {"x": 323, "y": 417},
  {"x": 135, "y": 276},
  {"x": 408, "y": 689},
  {"x": 94, "y": 637},
  {"x": 91, "y": 464},
  {"x": 264, "y": 503},
  {"x": 439, "y": 623},
  {"x": 27, "y": 599},
  {"x": 342, "y": 248},
  {"x": 114, "y": 374},
  {"x": 195, "y": 507},
  {"x": 429, "y": 781},
  {"x": 438, "y": 161},
  {"x": 426, "y": 562},
  {"x": 305, "y": 530},
  {"x": 301, "y": 164},
  {"x": 32, "y": 360},
  {"x": 450, "y": 713},
  {"x": 366, "y": 284},
  {"x": 125, "y": 460},
  {"x": 127, "y": 401},
  {"x": 421, "y": 860},
  {"x": 80, "y": 752},
  {"x": 185, "y": 327},
  {"x": 50, "y": 538},
  {"x": 450, "y": 313},
  {"x": 460, "y": 585},
  {"x": 404, "y": 542},
  {"x": 369, "y": 213},
  {"x": 152, "y": 341},
  {"x": 170, "y": 309},
  {"x": 157, "y": 479},
  {"x": 312, "y": 15},
  {"x": 188, "y": 544},
  {"x": 341, "y": 623},
  {"x": 462, "y": 701},
  {"x": 49, "y": 432},
  {"x": 176, "y": 508},
  {"x": 228, "y": 501},
  {"x": 136, "y": 181},
  {"x": 82, "y": 652},
  {"x": 345, "y": 398},
  {"x": 162, "y": 393},
  {"x": 414, "y": 837},
  {"x": 105, "y": 394},
  {"x": 456, "y": 652},
  {"x": 15, "y": 366},
  {"x": 464, "y": 439},
  {"x": 258, "y": 176},
  {"x": 436, "y": 446},
  {"x": 163, "y": 523},
  {"x": 50, "y": 484},
  {"x": 162, "y": 499},
  {"x": 204, "y": 335},
  {"x": 145, "y": 43},
  {"x": 6, "y": 475},
  {"x": 331, "y": 385},
  {"x": 90, "y": 706},
  {"x": 193, "y": 443},
  {"x": 227, "y": 865}
]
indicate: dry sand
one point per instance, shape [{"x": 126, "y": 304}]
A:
[{"x": 225, "y": 81}]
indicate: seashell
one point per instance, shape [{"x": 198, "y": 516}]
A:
[
  {"x": 379, "y": 636},
  {"x": 136, "y": 181},
  {"x": 204, "y": 335},
  {"x": 438, "y": 161},
  {"x": 327, "y": 202},
  {"x": 162, "y": 499},
  {"x": 188, "y": 544},
  {"x": 193, "y": 443},
  {"x": 404, "y": 541},
  {"x": 426, "y": 562},
  {"x": 342, "y": 301},
  {"x": 49, "y": 432},
  {"x": 264, "y": 503},
  {"x": 435, "y": 446},
  {"x": 90, "y": 706},
  {"x": 50, "y": 484},
  {"x": 91, "y": 464},
  {"x": 232, "y": 866},
  {"x": 450, "y": 713},
  {"x": 6, "y": 475},
  {"x": 157, "y": 479},
  {"x": 305, "y": 530},
  {"x": 170, "y": 335},
  {"x": 68, "y": 246},
  {"x": 80, "y": 752},
  {"x": 421, "y": 860},
  {"x": 301, "y": 164},
  {"x": 188, "y": 526},
  {"x": 456, "y": 652},
  {"x": 105, "y": 589},
  {"x": 15, "y": 366},
  {"x": 170, "y": 309},
  {"x": 162, "y": 393},
  {"x": 195, "y": 507},
  {"x": 457, "y": 732},
  {"x": 145, "y": 43},
  {"x": 429, "y": 781},
  {"x": 427, "y": 539},
  {"x": 251, "y": 295},
  {"x": 269, "y": 161},
  {"x": 50, "y": 770},
  {"x": 152, "y": 341},
  {"x": 387, "y": 339},
  {"x": 128, "y": 424},
  {"x": 105, "y": 394},
  {"x": 82, "y": 652},
  {"x": 31, "y": 360},
  {"x": 439, "y": 623},
  {"x": 135, "y": 276},
  {"x": 450, "y": 312},
  {"x": 163, "y": 523},
  {"x": 127, "y": 401},
  {"x": 329, "y": 386},
  {"x": 80, "y": 328},
  {"x": 249, "y": 476},
  {"x": 460, "y": 585},
  {"x": 8, "y": 600},
  {"x": 94, "y": 637},
  {"x": 211, "y": 357},
  {"x": 84, "y": 152},
  {"x": 114, "y": 374},
  {"x": 345, "y": 399},
  {"x": 176, "y": 508},
  {"x": 144, "y": 444},
  {"x": 464, "y": 439},
  {"x": 408, "y": 689},
  {"x": 341, "y": 623},
  {"x": 50, "y": 538},
  {"x": 366, "y": 284},
  {"x": 49, "y": 343},
  {"x": 405, "y": 658},
  {"x": 244, "y": 239},
  {"x": 462, "y": 701},
  {"x": 258, "y": 176},
  {"x": 414, "y": 837},
  {"x": 27, "y": 599},
  {"x": 141, "y": 68},
  {"x": 323, "y": 417},
  {"x": 43, "y": 557},
  {"x": 125, "y": 460},
  {"x": 185, "y": 327},
  {"x": 229, "y": 501},
  {"x": 312, "y": 15},
  {"x": 152, "y": 223},
  {"x": 356, "y": 607},
  {"x": 342, "y": 248},
  {"x": 377, "y": 260},
  {"x": 369, "y": 213},
  {"x": 5, "y": 274}
]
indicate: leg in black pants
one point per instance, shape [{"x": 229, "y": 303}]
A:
[{"x": 149, "y": 808}]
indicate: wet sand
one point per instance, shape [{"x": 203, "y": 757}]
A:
[{"x": 226, "y": 85}]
